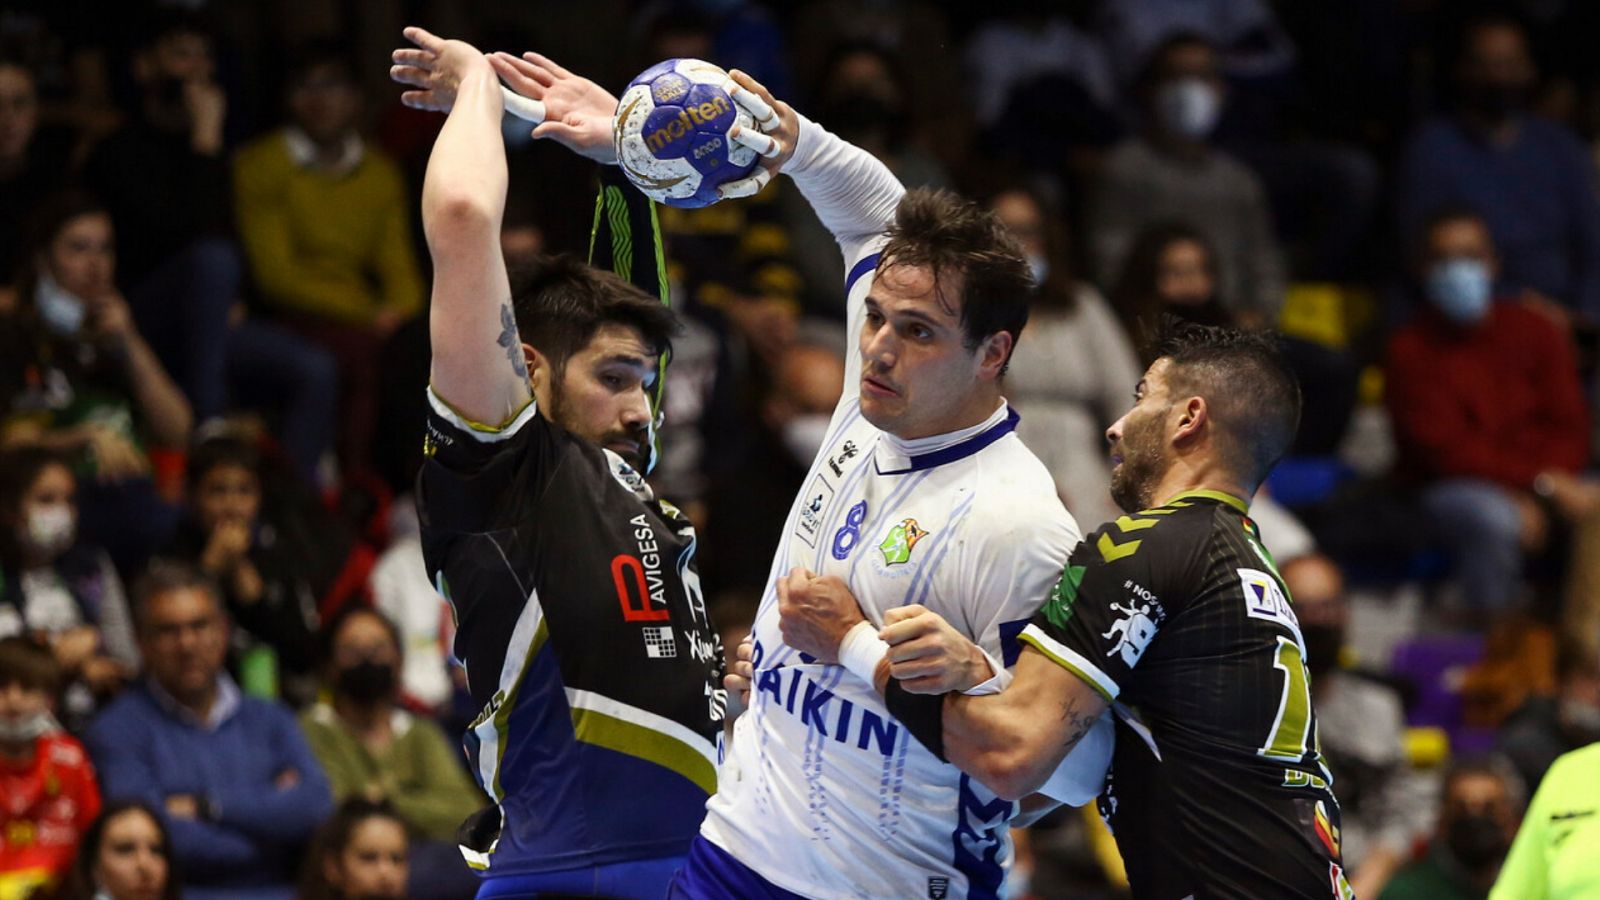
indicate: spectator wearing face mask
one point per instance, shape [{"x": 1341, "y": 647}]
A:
[
  {"x": 1544, "y": 728},
  {"x": 1172, "y": 170},
  {"x": 749, "y": 505},
  {"x": 1556, "y": 854},
  {"x": 57, "y": 589},
  {"x": 1530, "y": 178},
  {"x": 1488, "y": 413},
  {"x": 76, "y": 376},
  {"x": 46, "y": 781},
  {"x": 372, "y": 748},
  {"x": 1479, "y": 808},
  {"x": 1074, "y": 367}
]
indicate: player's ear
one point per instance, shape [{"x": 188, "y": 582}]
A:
[
  {"x": 1193, "y": 418},
  {"x": 993, "y": 354},
  {"x": 540, "y": 373}
]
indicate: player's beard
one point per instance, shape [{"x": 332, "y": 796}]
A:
[
  {"x": 1134, "y": 479},
  {"x": 561, "y": 413}
]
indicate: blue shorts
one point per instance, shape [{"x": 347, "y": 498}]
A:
[
  {"x": 712, "y": 874},
  {"x": 644, "y": 879}
]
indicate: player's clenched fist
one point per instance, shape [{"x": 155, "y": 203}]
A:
[
  {"x": 815, "y": 613},
  {"x": 927, "y": 656}
]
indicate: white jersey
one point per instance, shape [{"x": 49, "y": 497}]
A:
[{"x": 822, "y": 792}]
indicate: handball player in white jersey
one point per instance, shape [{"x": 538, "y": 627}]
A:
[{"x": 921, "y": 496}]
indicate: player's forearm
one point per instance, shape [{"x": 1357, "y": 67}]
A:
[
  {"x": 466, "y": 178},
  {"x": 1014, "y": 740},
  {"x": 854, "y": 194},
  {"x": 478, "y": 366}
]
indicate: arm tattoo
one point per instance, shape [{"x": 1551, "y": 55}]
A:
[
  {"x": 1078, "y": 724},
  {"x": 509, "y": 340}
]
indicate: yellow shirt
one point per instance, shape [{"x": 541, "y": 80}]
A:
[
  {"x": 335, "y": 244},
  {"x": 1556, "y": 855}
]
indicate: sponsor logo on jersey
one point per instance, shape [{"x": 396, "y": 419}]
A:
[
  {"x": 790, "y": 690},
  {"x": 809, "y": 523},
  {"x": 899, "y": 542},
  {"x": 1058, "y": 609},
  {"x": 1264, "y": 599},
  {"x": 1133, "y": 632},
  {"x": 659, "y": 642},
  {"x": 845, "y": 454},
  {"x": 938, "y": 887},
  {"x": 641, "y": 588}
]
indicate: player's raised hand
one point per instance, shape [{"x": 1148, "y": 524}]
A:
[
  {"x": 815, "y": 612},
  {"x": 578, "y": 113},
  {"x": 777, "y": 129},
  {"x": 435, "y": 67},
  {"x": 927, "y": 656}
]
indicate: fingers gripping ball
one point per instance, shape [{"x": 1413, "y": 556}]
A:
[{"x": 673, "y": 133}]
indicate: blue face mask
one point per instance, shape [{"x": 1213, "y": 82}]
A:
[{"x": 1462, "y": 289}]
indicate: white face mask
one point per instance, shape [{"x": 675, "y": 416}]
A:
[
  {"x": 1189, "y": 107},
  {"x": 52, "y": 529},
  {"x": 803, "y": 436},
  {"x": 25, "y": 730},
  {"x": 61, "y": 311}
]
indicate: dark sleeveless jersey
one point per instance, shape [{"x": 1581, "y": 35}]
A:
[{"x": 1217, "y": 787}]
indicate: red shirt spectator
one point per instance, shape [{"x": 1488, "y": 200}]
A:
[
  {"x": 48, "y": 802},
  {"x": 1497, "y": 400}
]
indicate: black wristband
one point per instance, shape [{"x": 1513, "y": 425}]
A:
[{"x": 922, "y": 714}]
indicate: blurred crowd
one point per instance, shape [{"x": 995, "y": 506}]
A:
[{"x": 223, "y": 668}]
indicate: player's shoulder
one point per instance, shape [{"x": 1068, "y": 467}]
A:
[
  {"x": 1170, "y": 534},
  {"x": 1013, "y": 490}
]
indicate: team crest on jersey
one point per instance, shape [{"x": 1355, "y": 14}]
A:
[
  {"x": 900, "y": 540},
  {"x": 938, "y": 887},
  {"x": 1133, "y": 632}
]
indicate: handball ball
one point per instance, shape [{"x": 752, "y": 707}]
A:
[{"x": 671, "y": 133}]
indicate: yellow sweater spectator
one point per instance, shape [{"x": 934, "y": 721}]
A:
[{"x": 332, "y": 241}]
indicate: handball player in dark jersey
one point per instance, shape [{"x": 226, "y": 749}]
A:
[
  {"x": 1176, "y": 616},
  {"x": 580, "y": 616}
]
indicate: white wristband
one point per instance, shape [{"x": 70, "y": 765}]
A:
[{"x": 861, "y": 650}]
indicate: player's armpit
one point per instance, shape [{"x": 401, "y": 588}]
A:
[{"x": 1014, "y": 740}]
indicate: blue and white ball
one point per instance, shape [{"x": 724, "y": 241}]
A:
[{"x": 671, "y": 133}]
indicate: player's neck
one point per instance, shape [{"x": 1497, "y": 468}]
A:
[
  {"x": 977, "y": 410},
  {"x": 1184, "y": 477}
]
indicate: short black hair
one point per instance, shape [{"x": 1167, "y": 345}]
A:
[
  {"x": 318, "y": 53},
  {"x": 329, "y": 633},
  {"x": 164, "y": 576},
  {"x": 219, "y": 451},
  {"x": 168, "y": 22},
  {"x": 951, "y": 235},
  {"x": 1155, "y": 67},
  {"x": 1253, "y": 395},
  {"x": 1447, "y": 214},
  {"x": 29, "y": 662},
  {"x": 560, "y": 303}
]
